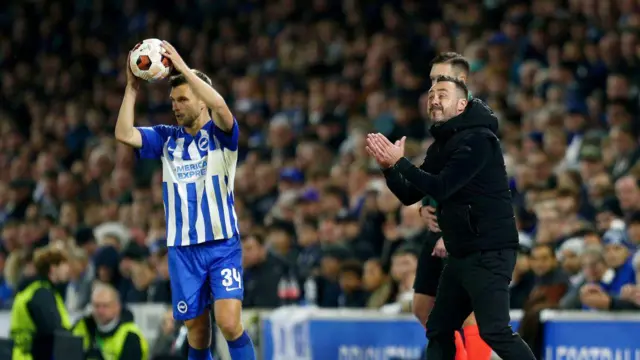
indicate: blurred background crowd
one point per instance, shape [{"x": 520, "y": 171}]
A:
[{"x": 307, "y": 81}]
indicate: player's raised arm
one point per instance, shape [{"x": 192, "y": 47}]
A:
[
  {"x": 221, "y": 114},
  {"x": 125, "y": 132}
]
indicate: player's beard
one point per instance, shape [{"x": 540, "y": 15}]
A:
[{"x": 186, "y": 120}]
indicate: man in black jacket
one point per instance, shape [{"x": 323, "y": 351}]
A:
[{"x": 464, "y": 172}]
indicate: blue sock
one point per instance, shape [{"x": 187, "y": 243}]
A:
[
  {"x": 199, "y": 354},
  {"x": 242, "y": 348}
]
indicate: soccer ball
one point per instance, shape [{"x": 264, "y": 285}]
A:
[{"x": 148, "y": 63}]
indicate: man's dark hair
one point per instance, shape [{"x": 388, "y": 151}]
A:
[
  {"x": 407, "y": 249},
  {"x": 460, "y": 85},
  {"x": 258, "y": 237},
  {"x": 352, "y": 266},
  {"x": 180, "y": 79},
  {"x": 457, "y": 61},
  {"x": 544, "y": 246}
]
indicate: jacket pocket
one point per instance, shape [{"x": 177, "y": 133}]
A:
[{"x": 459, "y": 220}]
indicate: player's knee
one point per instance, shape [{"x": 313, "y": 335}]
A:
[
  {"x": 228, "y": 313},
  {"x": 421, "y": 307},
  {"x": 420, "y": 313},
  {"x": 199, "y": 331},
  {"x": 230, "y": 326}
]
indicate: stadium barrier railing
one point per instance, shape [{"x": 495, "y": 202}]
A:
[{"x": 308, "y": 333}]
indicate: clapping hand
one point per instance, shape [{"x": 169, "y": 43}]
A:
[
  {"x": 593, "y": 296},
  {"x": 630, "y": 292},
  {"x": 386, "y": 153}
]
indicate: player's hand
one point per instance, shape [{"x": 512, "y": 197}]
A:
[
  {"x": 176, "y": 59},
  {"x": 428, "y": 214},
  {"x": 132, "y": 81},
  {"x": 385, "y": 153},
  {"x": 439, "y": 250}
]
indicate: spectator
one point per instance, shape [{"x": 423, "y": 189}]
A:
[
  {"x": 263, "y": 273},
  {"x": 403, "y": 271},
  {"x": 142, "y": 275},
  {"x": 6, "y": 292},
  {"x": 310, "y": 250},
  {"x": 280, "y": 239},
  {"x": 633, "y": 230},
  {"x": 569, "y": 257},
  {"x": 597, "y": 297},
  {"x": 110, "y": 323},
  {"x": 78, "y": 291},
  {"x": 378, "y": 283},
  {"x": 551, "y": 284},
  {"x": 328, "y": 279},
  {"x": 618, "y": 256},
  {"x": 160, "y": 288},
  {"x": 352, "y": 293},
  {"x": 166, "y": 339},
  {"x": 594, "y": 271},
  {"x": 522, "y": 280},
  {"x": 349, "y": 227}
]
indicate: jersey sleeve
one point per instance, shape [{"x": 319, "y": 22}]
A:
[
  {"x": 228, "y": 139},
  {"x": 153, "y": 139}
]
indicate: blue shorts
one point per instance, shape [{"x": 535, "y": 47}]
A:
[{"x": 204, "y": 273}]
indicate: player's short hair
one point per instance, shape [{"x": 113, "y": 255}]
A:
[
  {"x": 46, "y": 257},
  {"x": 460, "y": 85},
  {"x": 457, "y": 61},
  {"x": 180, "y": 79}
]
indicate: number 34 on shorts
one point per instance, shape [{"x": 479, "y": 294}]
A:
[{"x": 231, "y": 279}]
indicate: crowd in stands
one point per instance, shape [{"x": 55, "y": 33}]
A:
[{"x": 306, "y": 82}]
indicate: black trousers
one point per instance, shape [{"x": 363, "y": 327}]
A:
[{"x": 478, "y": 282}]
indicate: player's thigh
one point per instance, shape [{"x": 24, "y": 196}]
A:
[
  {"x": 189, "y": 289},
  {"x": 422, "y": 305},
  {"x": 199, "y": 330},
  {"x": 452, "y": 305},
  {"x": 225, "y": 271},
  {"x": 487, "y": 282},
  {"x": 428, "y": 272}
]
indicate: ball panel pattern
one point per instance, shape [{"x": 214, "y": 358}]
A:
[
  {"x": 143, "y": 62},
  {"x": 147, "y": 61}
]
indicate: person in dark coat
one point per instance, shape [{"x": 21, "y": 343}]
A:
[{"x": 464, "y": 172}]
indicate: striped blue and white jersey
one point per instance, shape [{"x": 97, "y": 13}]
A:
[{"x": 197, "y": 177}]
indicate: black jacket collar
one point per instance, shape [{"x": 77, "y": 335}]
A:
[{"x": 477, "y": 114}]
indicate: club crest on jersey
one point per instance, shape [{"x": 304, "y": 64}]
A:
[{"x": 203, "y": 143}]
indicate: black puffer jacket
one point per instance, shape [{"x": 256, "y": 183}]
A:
[{"x": 464, "y": 172}]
